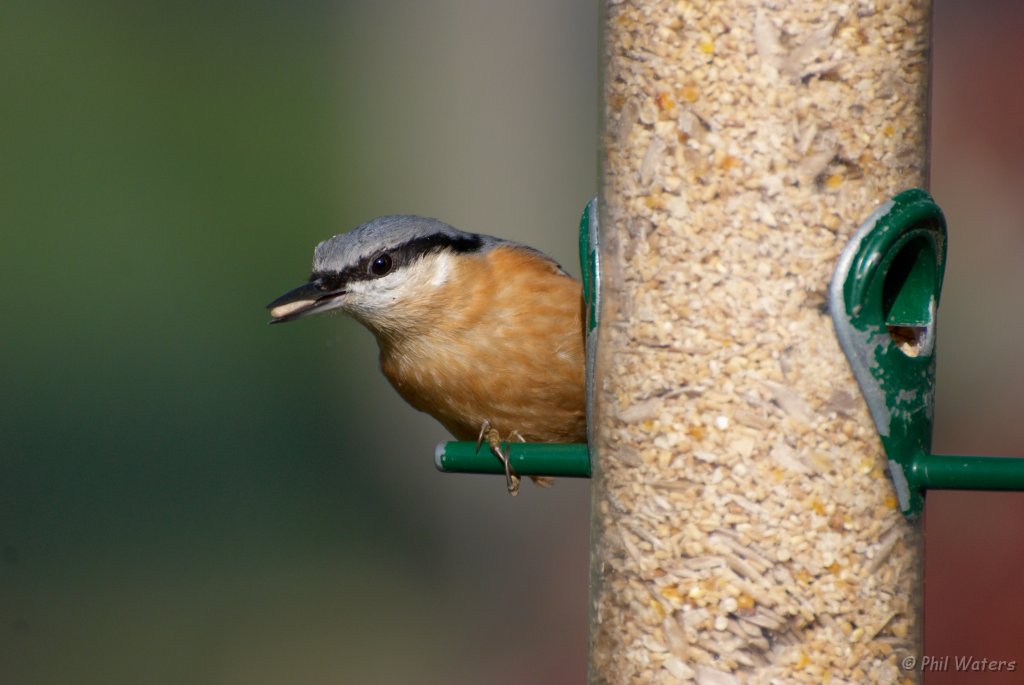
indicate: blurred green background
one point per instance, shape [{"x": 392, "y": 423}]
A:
[
  {"x": 187, "y": 495},
  {"x": 190, "y": 496}
]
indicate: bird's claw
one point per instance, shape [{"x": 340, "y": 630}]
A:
[{"x": 494, "y": 442}]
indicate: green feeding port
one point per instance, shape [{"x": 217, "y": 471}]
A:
[
  {"x": 562, "y": 460},
  {"x": 909, "y": 296},
  {"x": 883, "y": 300}
]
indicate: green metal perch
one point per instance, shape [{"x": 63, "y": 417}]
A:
[{"x": 563, "y": 460}]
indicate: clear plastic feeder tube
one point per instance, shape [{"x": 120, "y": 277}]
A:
[{"x": 745, "y": 529}]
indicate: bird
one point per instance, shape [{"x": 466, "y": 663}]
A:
[{"x": 484, "y": 334}]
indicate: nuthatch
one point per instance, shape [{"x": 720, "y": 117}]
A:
[{"x": 484, "y": 334}]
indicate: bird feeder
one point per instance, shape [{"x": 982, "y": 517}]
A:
[
  {"x": 754, "y": 515},
  {"x": 745, "y": 526}
]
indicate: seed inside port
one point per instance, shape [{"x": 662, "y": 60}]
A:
[{"x": 910, "y": 339}]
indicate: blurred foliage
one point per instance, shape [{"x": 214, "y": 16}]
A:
[{"x": 187, "y": 495}]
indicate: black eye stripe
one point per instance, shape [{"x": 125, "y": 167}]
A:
[
  {"x": 327, "y": 282},
  {"x": 399, "y": 256},
  {"x": 440, "y": 241},
  {"x": 418, "y": 247}
]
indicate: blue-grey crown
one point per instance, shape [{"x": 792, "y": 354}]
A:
[{"x": 403, "y": 237}]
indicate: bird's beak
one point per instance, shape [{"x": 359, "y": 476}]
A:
[{"x": 306, "y": 300}]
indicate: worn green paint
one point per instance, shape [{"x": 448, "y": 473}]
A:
[
  {"x": 884, "y": 298},
  {"x": 589, "y": 263}
]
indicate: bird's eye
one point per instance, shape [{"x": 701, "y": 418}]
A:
[{"x": 381, "y": 264}]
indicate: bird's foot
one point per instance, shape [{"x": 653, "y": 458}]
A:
[
  {"x": 500, "y": 450},
  {"x": 541, "y": 481}
]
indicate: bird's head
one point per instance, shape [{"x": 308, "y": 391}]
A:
[{"x": 382, "y": 273}]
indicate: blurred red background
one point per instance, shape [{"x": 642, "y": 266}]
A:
[{"x": 974, "y": 597}]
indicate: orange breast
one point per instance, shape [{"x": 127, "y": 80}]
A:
[{"x": 506, "y": 347}]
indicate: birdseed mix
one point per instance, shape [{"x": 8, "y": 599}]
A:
[{"x": 745, "y": 528}]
